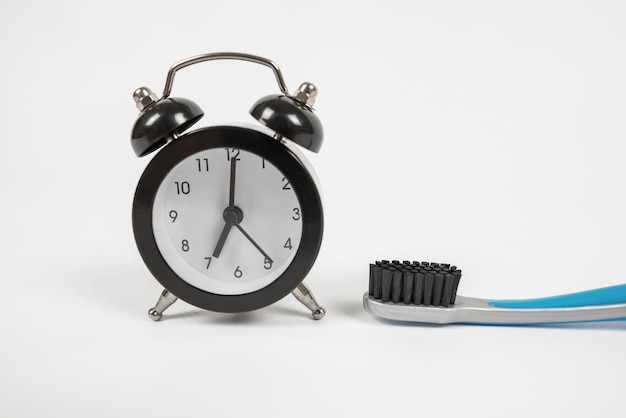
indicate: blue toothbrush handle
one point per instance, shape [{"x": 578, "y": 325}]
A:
[{"x": 603, "y": 296}]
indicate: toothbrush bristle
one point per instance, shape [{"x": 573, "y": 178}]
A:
[{"x": 417, "y": 283}]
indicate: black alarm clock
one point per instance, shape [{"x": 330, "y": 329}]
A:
[{"x": 228, "y": 218}]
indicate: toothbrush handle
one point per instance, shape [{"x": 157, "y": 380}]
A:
[
  {"x": 467, "y": 310},
  {"x": 603, "y": 296}
]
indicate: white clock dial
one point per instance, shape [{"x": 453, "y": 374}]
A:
[{"x": 260, "y": 219}]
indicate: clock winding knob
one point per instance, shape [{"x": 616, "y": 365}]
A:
[
  {"x": 306, "y": 94},
  {"x": 144, "y": 97}
]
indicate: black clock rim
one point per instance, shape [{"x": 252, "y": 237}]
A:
[{"x": 249, "y": 140}]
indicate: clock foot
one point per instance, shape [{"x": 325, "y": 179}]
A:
[
  {"x": 304, "y": 296},
  {"x": 165, "y": 301}
]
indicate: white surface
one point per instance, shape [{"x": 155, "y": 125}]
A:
[{"x": 486, "y": 134}]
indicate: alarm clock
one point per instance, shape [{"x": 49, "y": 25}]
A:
[{"x": 228, "y": 218}]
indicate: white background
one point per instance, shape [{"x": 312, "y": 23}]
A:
[{"x": 486, "y": 134}]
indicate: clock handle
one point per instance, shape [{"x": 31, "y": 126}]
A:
[
  {"x": 304, "y": 296},
  {"x": 223, "y": 56}
]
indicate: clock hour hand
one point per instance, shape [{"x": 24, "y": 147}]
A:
[
  {"x": 222, "y": 240},
  {"x": 267, "y": 257}
]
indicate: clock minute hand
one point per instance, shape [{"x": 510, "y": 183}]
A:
[
  {"x": 233, "y": 171},
  {"x": 267, "y": 257},
  {"x": 230, "y": 210}
]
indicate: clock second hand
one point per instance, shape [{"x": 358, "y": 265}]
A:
[{"x": 267, "y": 257}]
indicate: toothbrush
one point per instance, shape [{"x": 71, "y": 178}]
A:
[{"x": 426, "y": 292}]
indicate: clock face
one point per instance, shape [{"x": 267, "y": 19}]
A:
[{"x": 227, "y": 221}]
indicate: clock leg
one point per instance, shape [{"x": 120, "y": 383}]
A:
[
  {"x": 304, "y": 296},
  {"x": 166, "y": 300}
]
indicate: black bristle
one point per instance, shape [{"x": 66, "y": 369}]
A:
[
  {"x": 437, "y": 289},
  {"x": 377, "y": 282},
  {"x": 407, "y": 291},
  {"x": 455, "y": 284},
  {"x": 428, "y": 288},
  {"x": 447, "y": 290},
  {"x": 371, "y": 284},
  {"x": 396, "y": 286},
  {"x": 418, "y": 287},
  {"x": 387, "y": 275}
]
